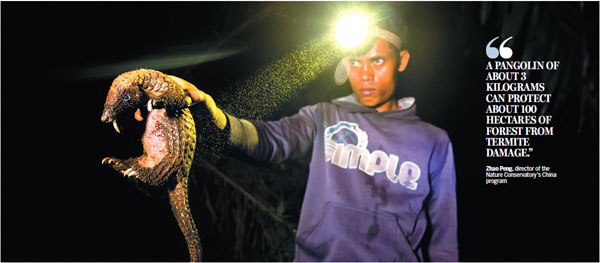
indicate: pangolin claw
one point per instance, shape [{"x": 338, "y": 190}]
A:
[
  {"x": 116, "y": 126},
  {"x": 155, "y": 103},
  {"x": 150, "y": 102},
  {"x": 107, "y": 160},
  {"x": 130, "y": 172}
]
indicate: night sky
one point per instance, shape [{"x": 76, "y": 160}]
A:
[{"x": 59, "y": 59}]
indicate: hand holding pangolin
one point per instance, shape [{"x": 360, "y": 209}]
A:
[{"x": 169, "y": 140}]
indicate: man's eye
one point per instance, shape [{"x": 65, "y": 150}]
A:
[
  {"x": 378, "y": 61},
  {"x": 354, "y": 63}
]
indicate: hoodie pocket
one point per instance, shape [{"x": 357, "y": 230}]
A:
[{"x": 345, "y": 233}]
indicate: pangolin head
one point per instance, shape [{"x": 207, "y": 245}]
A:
[{"x": 124, "y": 95}]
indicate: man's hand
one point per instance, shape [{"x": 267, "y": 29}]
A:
[
  {"x": 197, "y": 96},
  {"x": 194, "y": 92}
]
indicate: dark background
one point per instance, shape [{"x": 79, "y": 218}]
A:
[{"x": 60, "y": 204}]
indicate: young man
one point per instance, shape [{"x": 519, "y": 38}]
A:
[{"x": 382, "y": 183}]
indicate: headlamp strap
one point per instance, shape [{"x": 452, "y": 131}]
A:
[{"x": 388, "y": 36}]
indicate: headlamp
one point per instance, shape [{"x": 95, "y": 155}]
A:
[{"x": 351, "y": 31}]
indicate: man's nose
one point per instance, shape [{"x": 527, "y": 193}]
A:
[{"x": 366, "y": 72}]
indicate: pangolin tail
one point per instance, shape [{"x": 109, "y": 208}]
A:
[
  {"x": 180, "y": 206},
  {"x": 178, "y": 196}
]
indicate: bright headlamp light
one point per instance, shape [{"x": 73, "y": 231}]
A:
[{"x": 352, "y": 30}]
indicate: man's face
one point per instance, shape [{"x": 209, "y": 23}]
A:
[{"x": 372, "y": 76}]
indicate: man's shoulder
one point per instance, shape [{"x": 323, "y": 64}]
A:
[
  {"x": 417, "y": 128},
  {"x": 319, "y": 108},
  {"x": 434, "y": 131}
]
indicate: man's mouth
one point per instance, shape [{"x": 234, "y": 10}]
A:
[{"x": 366, "y": 91}]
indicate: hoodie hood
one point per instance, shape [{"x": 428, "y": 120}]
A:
[{"x": 407, "y": 107}]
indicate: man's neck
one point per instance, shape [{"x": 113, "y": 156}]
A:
[{"x": 387, "y": 106}]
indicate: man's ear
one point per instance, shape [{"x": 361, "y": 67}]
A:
[{"x": 404, "y": 57}]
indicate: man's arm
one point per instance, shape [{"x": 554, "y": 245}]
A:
[
  {"x": 441, "y": 207},
  {"x": 273, "y": 141},
  {"x": 289, "y": 138},
  {"x": 242, "y": 135}
]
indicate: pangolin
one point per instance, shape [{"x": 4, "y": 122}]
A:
[{"x": 169, "y": 139}]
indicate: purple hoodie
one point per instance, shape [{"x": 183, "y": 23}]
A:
[{"x": 378, "y": 182}]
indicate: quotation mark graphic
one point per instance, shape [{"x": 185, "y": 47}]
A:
[{"x": 492, "y": 52}]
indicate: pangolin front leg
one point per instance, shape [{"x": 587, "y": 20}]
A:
[{"x": 164, "y": 142}]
